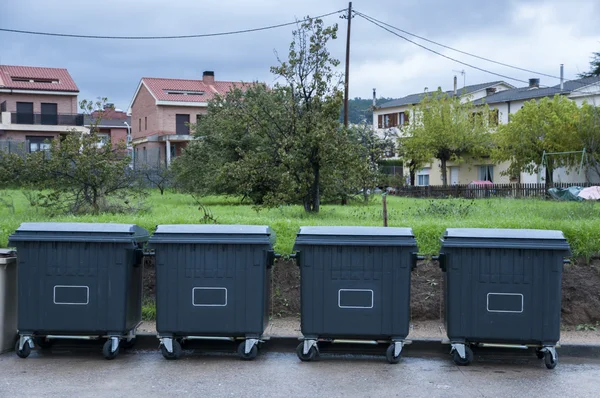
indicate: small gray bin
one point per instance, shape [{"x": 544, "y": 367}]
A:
[
  {"x": 8, "y": 299},
  {"x": 503, "y": 287},
  {"x": 212, "y": 282},
  {"x": 78, "y": 280},
  {"x": 355, "y": 285}
]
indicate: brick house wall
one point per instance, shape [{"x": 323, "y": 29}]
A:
[
  {"x": 144, "y": 115},
  {"x": 167, "y": 116},
  {"x": 21, "y": 135},
  {"x": 66, "y": 104}
]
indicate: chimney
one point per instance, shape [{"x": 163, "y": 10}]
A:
[
  {"x": 374, "y": 98},
  {"x": 534, "y": 83},
  {"x": 455, "y": 85},
  {"x": 208, "y": 77},
  {"x": 562, "y": 77}
]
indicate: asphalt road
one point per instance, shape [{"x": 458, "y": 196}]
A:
[{"x": 274, "y": 374}]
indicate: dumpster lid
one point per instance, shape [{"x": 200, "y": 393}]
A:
[
  {"x": 498, "y": 233},
  {"x": 67, "y": 231},
  {"x": 213, "y": 234},
  {"x": 356, "y": 231},
  {"x": 355, "y": 236},
  {"x": 536, "y": 239},
  {"x": 213, "y": 229},
  {"x": 79, "y": 227}
]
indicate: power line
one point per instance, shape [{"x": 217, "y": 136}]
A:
[
  {"x": 235, "y": 32},
  {"x": 439, "y": 53},
  {"x": 457, "y": 50}
]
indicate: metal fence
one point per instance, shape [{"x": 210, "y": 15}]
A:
[
  {"x": 483, "y": 191},
  {"x": 10, "y": 146}
]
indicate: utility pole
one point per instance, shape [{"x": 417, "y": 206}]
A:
[{"x": 346, "y": 75}]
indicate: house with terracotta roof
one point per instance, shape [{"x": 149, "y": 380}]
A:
[
  {"x": 111, "y": 124},
  {"x": 162, "y": 111},
  {"x": 36, "y": 105}
]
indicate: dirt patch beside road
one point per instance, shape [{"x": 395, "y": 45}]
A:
[{"x": 581, "y": 294}]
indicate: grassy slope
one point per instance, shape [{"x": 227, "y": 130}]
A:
[{"x": 579, "y": 221}]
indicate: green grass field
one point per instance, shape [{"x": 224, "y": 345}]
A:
[{"x": 579, "y": 221}]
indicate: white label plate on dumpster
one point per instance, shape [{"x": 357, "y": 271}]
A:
[
  {"x": 209, "y": 296},
  {"x": 71, "y": 295},
  {"x": 355, "y": 298},
  {"x": 505, "y": 302}
]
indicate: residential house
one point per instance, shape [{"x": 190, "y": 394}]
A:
[
  {"x": 505, "y": 99},
  {"x": 37, "y": 104},
  {"x": 112, "y": 125},
  {"x": 510, "y": 101},
  {"x": 162, "y": 111}
]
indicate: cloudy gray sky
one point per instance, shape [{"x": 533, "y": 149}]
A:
[{"x": 532, "y": 34}]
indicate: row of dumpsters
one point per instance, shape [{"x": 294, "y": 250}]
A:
[{"x": 502, "y": 287}]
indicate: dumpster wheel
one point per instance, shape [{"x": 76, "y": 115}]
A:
[
  {"x": 460, "y": 361},
  {"x": 550, "y": 358},
  {"x": 540, "y": 354},
  {"x": 23, "y": 352},
  {"x": 241, "y": 350},
  {"x": 129, "y": 343},
  {"x": 390, "y": 354},
  {"x": 313, "y": 352},
  {"x": 108, "y": 351},
  {"x": 43, "y": 342},
  {"x": 174, "y": 354}
]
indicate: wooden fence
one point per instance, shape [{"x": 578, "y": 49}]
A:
[{"x": 483, "y": 191}]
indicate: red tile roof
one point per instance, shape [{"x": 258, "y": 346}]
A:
[
  {"x": 159, "y": 88},
  {"x": 63, "y": 80}
]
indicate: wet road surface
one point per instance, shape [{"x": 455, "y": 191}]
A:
[{"x": 274, "y": 374}]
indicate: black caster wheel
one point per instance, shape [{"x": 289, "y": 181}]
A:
[
  {"x": 176, "y": 354},
  {"x": 550, "y": 363},
  {"x": 242, "y": 351},
  {"x": 43, "y": 342},
  {"x": 107, "y": 350},
  {"x": 312, "y": 353},
  {"x": 24, "y": 353},
  {"x": 539, "y": 354},
  {"x": 389, "y": 355},
  {"x": 128, "y": 344},
  {"x": 463, "y": 361}
]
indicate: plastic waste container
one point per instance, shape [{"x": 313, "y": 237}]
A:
[
  {"x": 355, "y": 286},
  {"x": 8, "y": 299},
  {"x": 78, "y": 281},
  {"x": 503, "y": 287},
  {"x": 212, "y": 282}
]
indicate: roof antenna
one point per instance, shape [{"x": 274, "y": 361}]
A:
[{"x": 464, "y": 75}]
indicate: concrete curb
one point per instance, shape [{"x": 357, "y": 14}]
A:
[{"x": 417, "y": 347}]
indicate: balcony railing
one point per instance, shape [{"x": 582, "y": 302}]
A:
[{"x": 47, "y": 119}]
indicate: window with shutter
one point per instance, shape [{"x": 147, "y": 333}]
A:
[{"x": 380, "y": 121}]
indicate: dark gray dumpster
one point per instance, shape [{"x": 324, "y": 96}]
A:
[
  {"x": 355, "y": 286},
  {"x": 503, "y": 287},
  {"x": 212, "y": 282},
  {"x": 78, "y": 281}
]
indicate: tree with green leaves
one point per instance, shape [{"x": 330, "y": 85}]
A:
[
  {"x": 544, "y": 126},
  {"x": 446, "y": 128},
  {"x": 594, "y": 67},
  {"x": 278, "y": 145},
  {"x": 80, "y": 174},
  {"x": 588, "y": 132}
]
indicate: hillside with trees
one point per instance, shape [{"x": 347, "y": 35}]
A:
[{"x": 360, "y": 110}]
